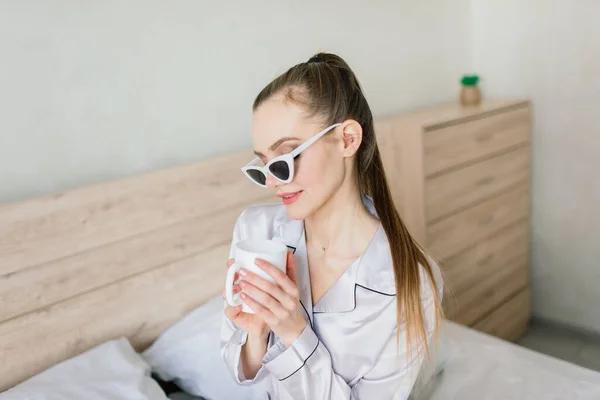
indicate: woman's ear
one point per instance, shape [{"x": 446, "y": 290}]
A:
[{"x": 352, "y": 137}]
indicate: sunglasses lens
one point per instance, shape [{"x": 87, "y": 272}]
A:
[
  {"x": 257, "y": 176},
  {"x": 280, "y": 170}
]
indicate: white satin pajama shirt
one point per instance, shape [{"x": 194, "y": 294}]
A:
[{"x": 348, "y": 349}]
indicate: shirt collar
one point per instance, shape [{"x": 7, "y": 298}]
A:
[
  {"x": 375, "y": 268},
  {"x": 372, "y": 270}
]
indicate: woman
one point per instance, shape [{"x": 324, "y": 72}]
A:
[{"x": 353, "y": 316}]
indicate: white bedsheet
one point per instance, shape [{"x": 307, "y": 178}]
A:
[{"x": 488, "y": 368}]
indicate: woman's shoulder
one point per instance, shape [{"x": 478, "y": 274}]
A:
[{"x": 376, "y": 269}]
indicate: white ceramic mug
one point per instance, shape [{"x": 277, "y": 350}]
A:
[{"x": 245, "y": 253}]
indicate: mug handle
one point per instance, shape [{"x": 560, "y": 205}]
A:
[{"x": 233, "y": 300}]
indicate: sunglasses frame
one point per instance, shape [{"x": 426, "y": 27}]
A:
[{"x": 288, "y": 158}]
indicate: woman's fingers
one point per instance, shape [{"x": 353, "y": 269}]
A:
[
  {"x": 266, "y": 286},
  {"x": 236, "y": 290},
  {"x": 259, "y": 309},
  {"x": 279, "y": 276},
  {"x": 290, "y": 269},
  {"x": 228, "y": 264},
  {"x": 232, "y": 312},
  {"x": 263, "y": 298}
]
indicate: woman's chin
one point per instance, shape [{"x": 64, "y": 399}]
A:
[
  {"x": 303, "y": 208},
  {"x": 299, "y": 210},
  {"x": 296, "y": 212}
]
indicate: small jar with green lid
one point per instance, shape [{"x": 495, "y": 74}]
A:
[{"x": 470, "y": 94}]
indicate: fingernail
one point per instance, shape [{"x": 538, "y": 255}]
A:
[
  {"x": 243, "y": 272},
  {"x": 244, "y": 295},
  {"x": 258, "y": 261},
  {"x": 243, "y": 284}
]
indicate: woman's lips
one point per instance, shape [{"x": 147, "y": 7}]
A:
[{"x": 290, "y": 198}]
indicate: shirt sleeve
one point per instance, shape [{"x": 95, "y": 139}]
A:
[
  {"x": 232, "y": 336},
  {"x": 305, "y": 371}
]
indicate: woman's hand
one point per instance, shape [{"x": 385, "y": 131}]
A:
[
  {"x": 278, "y": 304},
  {"x": 251, "y": 323}
]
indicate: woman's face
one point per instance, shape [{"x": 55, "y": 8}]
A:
[{"x": 278, "y": 127}]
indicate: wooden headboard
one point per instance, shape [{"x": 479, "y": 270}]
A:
[{"x": 124, "y": 258}]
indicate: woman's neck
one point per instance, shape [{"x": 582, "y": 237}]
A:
[{"x": 342, "y": 223}]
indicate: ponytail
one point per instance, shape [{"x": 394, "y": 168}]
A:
[{"x": 408, "y": 259}]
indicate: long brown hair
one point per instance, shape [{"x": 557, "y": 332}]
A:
[{"x": 326, "y": 87}]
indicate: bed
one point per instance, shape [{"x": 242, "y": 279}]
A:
[
  {"x": 485, "y": 367},
  {"x": 132, "y": 257}
]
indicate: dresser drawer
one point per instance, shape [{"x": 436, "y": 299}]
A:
[
  {"x": 509, "y": 321},
  {"x": 457, "y": 189},
  {"x": 457, "y": 144},
  {"x": 451, "y": 236},
  {"x": 473, "y": 304},
  {"x": 474, "y": 265}
]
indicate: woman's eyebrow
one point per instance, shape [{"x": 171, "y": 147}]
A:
[{"x": 277, "y": 144}]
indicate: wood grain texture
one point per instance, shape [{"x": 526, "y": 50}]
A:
[
  {"x": 41, "y": 230},
  {"x": 454, "y": 145},
  {"x": 467, "y": 269},
  {"x": 494, "y": 289},
  {"x": 458, "y": 232},
  {"x": 455, "y": 190},
  {"x": 510, "y": 320},
  {"x": 401, "y": 151},
  {"x": 139, "y": 308},
  {"x": 440, "y": 116},
  {"x": 33, "y": 288}
]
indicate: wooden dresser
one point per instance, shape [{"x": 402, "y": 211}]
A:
[{"x": 461, "y": 182}]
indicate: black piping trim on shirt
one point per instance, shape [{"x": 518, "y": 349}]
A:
[
  {"x": 304, "y": 363},
  {"x": 291, "y": 248},
  {"x": 364, "y": 287},
  {"x": 307, "y": 314}
]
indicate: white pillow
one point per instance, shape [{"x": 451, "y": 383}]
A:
[
  {"x": 111, "y": 371},
  {"x": 188, "y": 354}
]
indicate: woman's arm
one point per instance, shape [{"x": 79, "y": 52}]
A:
[
  {"x": 243, "y": 349},
  {"x": 243, "y": 353},
  {"x": 305, "y": 371},
  {"x": 252, "y": 354},
  {"x": 303, "y": 368}
]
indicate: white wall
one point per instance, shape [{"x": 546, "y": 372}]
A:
[
  {"x": 92, "y": 91},
  {"x": 550, "y": 51}
]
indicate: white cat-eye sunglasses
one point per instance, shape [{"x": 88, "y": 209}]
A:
[{"x": 281, "y": 167}]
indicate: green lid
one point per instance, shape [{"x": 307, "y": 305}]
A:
[{"x": 470, "y": 80}]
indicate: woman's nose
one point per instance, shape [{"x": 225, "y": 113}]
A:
[{"x": 272, "y": 182}]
